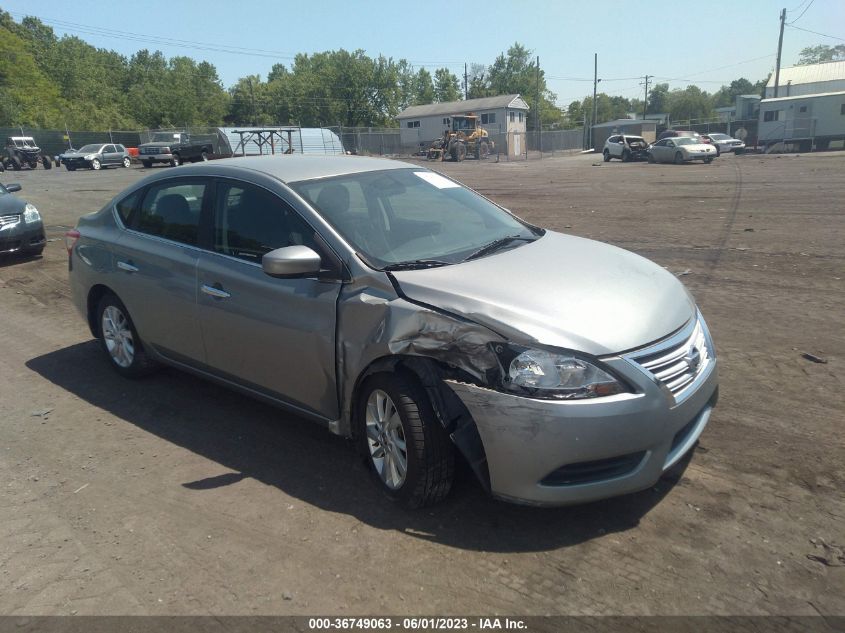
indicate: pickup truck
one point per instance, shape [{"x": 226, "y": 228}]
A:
[{"x": 174, "y": 148}]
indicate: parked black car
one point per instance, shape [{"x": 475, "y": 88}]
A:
[
  {"x": 96, "y": 156},
  {"x": 173, "y": 148},
  {"x": 21, "y": 227}
]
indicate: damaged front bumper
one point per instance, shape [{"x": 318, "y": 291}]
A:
[{"x": 553, "y": 452}]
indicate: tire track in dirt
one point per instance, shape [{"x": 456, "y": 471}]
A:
[{"x": 726, "y": 231}]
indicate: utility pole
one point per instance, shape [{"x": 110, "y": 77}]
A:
[
  {"x": 539, "y": 118},
  {"x": 466, "y": 82},
  {"x": 780, "y": 45},
  {"x": 645, "y": 102},
  {"x": 252, "y": 95},
  {"x": 595, "y": 85}
]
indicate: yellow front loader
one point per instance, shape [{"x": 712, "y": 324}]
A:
[{"x": 464, "y": 138}]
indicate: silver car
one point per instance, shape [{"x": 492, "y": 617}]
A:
[
  {"x": 96, "y": 156},
  {"x": 398, "y": 307},
  {"x": 680, "y": 149}
]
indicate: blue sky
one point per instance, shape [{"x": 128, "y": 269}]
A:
[{"x": 670, "y": 39}]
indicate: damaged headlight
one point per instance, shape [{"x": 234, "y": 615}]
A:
[
  {"x": 555, "y": 375},
  {"x": 30, "y": 214}
]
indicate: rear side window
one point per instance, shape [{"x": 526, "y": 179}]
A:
[
  {"x": 126, "y": 207},
  {"x": 172, "y": 211},
  {"x": 250, "y": 221}
]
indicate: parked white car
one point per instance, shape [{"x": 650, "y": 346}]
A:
[
  {"x": 680, "y": 149},
  {"x": 625, "y": 147},
  {"x": 725, "y": 143}
]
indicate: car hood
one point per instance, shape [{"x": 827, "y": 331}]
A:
[
  {"x": 76, "y": 154},
  {"x": 11, "y": 204},
  {"x": 561, "y": 291},
  {"x": 697, "y": 147}
]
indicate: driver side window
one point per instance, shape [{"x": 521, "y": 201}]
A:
[{"x": 250, "y": 221}]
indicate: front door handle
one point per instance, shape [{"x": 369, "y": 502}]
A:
[
  {"x": 128, "y": 267},
  {"x": 217, "y": 293}
]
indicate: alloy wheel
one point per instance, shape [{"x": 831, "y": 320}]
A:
[
  {"x": 117, "y": 336},
  {"x": 386, "y": 439}
]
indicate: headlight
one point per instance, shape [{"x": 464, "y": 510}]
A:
[
  {"x": 552, "y": 375},
  {"x": 30, "y": 214},
  {"x": 90, "y": 157}
]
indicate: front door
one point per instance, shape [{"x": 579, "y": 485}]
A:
[{"x": 276, "y": 336}]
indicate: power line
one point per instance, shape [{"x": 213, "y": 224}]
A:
[
  {"x": 802, "y": 13},
  {"x": 833, "y": 37},
  {"x": 798, "y": 7}
]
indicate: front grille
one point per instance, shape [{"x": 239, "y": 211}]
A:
[
  {"x": 9, "y": 220},
  {"x": 594, "y": 471},
  {"x": 678, "y": 364}
]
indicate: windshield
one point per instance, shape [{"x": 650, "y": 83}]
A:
[
  {"x": 463, "y": 124},
  {"x": 407, "y": 215},
  {"x": 86, "y": 149},
  {"x": 165, "y": 137},
  {"x": 685, "y": 140}
]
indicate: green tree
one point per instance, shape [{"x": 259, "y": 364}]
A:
[
  {"x": 690, "y": 104},
  {"x": 423, "y": 87},
  {"x": 821, "y": 53},
  {"x": 446, "y": 86},
  {"x": 27, "y": 97},
  {"x": 658, "y": 99}
]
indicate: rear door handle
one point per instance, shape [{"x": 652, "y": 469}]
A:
[
  {"x": 127, "y": 266},
  {"x": 217, "y": 293}
]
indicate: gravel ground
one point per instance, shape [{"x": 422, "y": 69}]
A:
[{"x": 173, "y": 496}]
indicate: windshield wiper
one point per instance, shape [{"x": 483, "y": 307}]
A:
[
  {"x": 416, "y": 264},
  {"x": 497, "y": 244}
]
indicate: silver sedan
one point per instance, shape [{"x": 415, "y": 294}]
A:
[
  {"x": 680, "y": 149},
  {"x": 395, "y": 306}
]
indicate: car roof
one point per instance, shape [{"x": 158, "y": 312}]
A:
[{"x": 297, "y": 167}]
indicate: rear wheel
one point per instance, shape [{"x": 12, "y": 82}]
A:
[
  {"x": 16, "y": 162},
  {"x": 606, "y": 156},
  {"x": 120, "y": 339},
  {"x": 405, "y": 446},
  {"x": 96, "y": 164},
  {"x": 482, "y": 150},
  {"x": 459, "y": 151},
  {"x": 176, "y": 160},
  {"x": 679, "y": 158},
  {"x": 45, "y": 161}
]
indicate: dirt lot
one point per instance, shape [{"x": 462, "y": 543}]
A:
[{"x": 173, "y": 496}]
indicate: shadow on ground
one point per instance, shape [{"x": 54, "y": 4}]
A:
[{"x": 300, "y": 458}]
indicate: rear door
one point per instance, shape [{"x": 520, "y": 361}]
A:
[
  {"x": 276, "y": 336},
  {"x": 156, "y": 261}
]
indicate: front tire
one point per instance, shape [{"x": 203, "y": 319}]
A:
[
  {"x": 96, "y": 164},
  {"x": 45, "y": 161},
  {"x": 606, "y": 156},
  {"x": 175, "y": 161},
  {"x": 626, "y": 156},
  {"x": 651, "y": 158},
  {"x": 204, "y": 156},
  {"x": 126, "y": 161},
  {"x": 708, "y": 160},
  {"x": 120, "y": 339},
  {"x": 406, "y": 448}
]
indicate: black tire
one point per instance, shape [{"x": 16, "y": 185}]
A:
[
  {"x": 96, "y": 165},
  {"x": 606, "y": 156},
  {"x": 626, "y": 155},
  {"x": 45, "y": 161},
  {"x": 651, "y": 158},
  {"x": 458, "y": 152},
  {"x": 176, "y": 160},
  {"x": 141, "y": 365},
  {"x": 679, "y": 158},
  {"x": 16, "y": 162},
  {"x": 718, "y": 151},
  {"x": 482, "y": 150},
  {"x": 430, "y": 454},
  {"x": 147, "y": 163},
  {"x": 204, "y": 156},
  {"x": 708, "y": 160},
  {"x": 70, "y": 167},
  {"x": 57, "y": 162}
]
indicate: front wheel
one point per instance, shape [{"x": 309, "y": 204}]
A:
[
  {"x": 708, "y": 160},
  {"x": 204, "y": 156},
  {"x": 651, "y": 158},
  {"x": 482, "y": 151},
  {"x": 405, "y": 446},
  {"x": 679, "y": 158},
  {"x": 126, "y": 161},
  {"x": 96, "y": 164},
  {"x": 718, "y": 151},
  {"x": 626, "y": 156},
  {"x": 175, "y": 161},
  {"x": 120, "y": 339},
  {"x": 45, "y": 161}
]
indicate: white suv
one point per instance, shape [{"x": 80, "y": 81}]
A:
[{"x": 625, "y": 147}]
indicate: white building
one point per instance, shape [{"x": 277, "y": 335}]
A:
[
  {"x": 808, "y": 80},
  {"x": 500, "y": 115}
]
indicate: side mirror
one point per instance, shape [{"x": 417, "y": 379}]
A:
[
  {"x": 11, "y": 188},
  {"x": 290, "y": 262}
]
